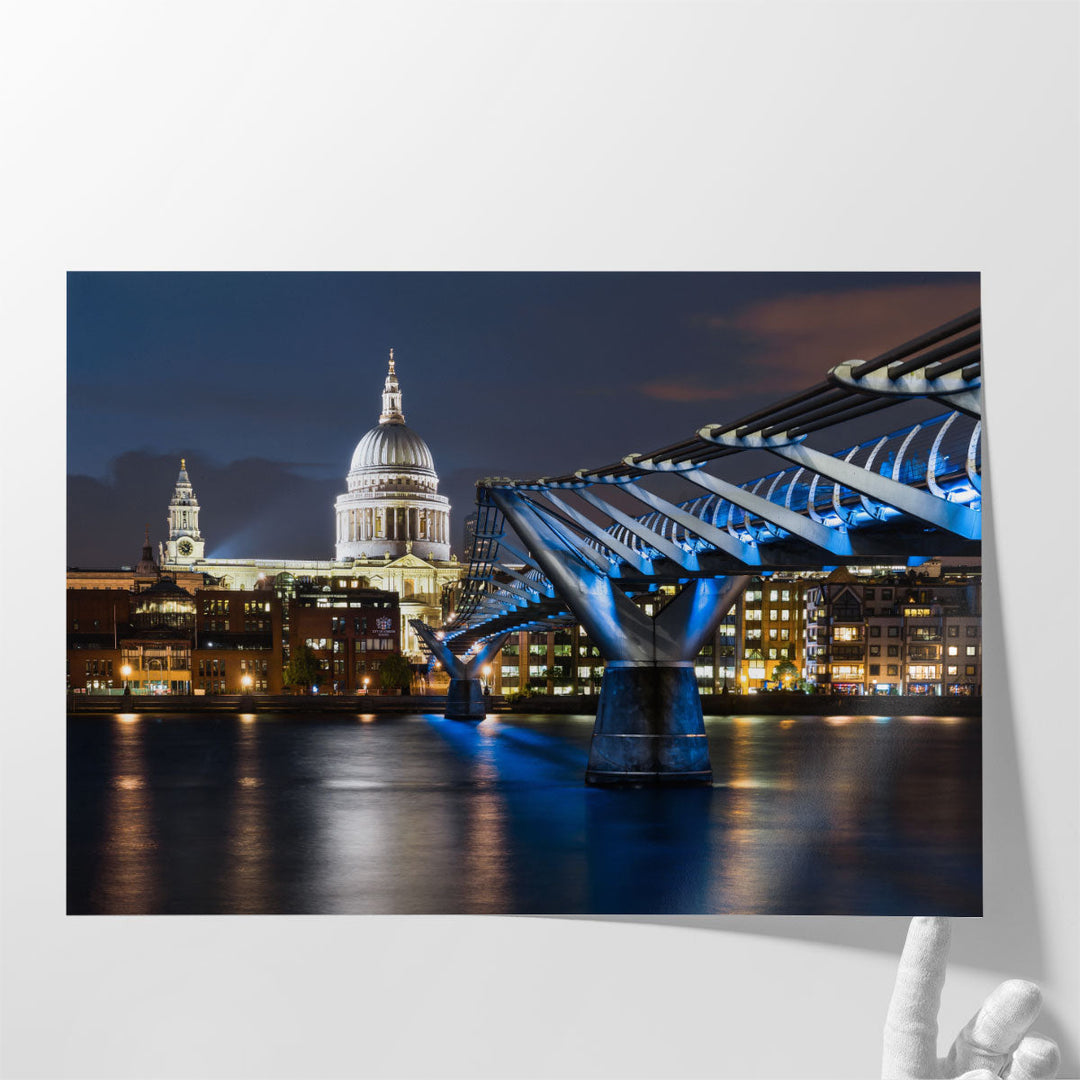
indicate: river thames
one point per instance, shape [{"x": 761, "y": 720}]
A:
[{"x": 250, "y": 814}]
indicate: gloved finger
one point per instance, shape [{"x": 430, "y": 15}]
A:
[
  {"x": 911, "y": 1026},
  {"x": 995, "y": 1030},
  {"x": 1036, "y": 1058}
]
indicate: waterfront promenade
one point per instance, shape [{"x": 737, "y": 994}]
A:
[{"x": 764, "y": 704}]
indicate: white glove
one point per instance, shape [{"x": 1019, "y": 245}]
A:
[{"x": 994, "y": 1043}]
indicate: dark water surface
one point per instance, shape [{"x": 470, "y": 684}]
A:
[{"x": 275, "y": 815}]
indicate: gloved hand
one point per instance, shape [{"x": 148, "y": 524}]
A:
[{"x": 996, "y": 1042}]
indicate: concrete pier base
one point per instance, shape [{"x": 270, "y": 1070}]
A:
[
  {"x": 649, "y": 727},
  {"x": 465, "y": 700}
]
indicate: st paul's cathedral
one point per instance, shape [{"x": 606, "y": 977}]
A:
[{"x": 392, "y": 527}]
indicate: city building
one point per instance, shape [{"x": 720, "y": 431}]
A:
[
  {"x": 392, "y": 531},
  {"x": 468, "y": 535},
  {"x": 895, "y": 632},
  {"x": 351, "y": 630}
]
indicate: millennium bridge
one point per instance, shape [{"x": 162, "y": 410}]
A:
[{"x": 577, "y": 548}]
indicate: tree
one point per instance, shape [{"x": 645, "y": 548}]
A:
[
  {"x": 303, "y": 669},
  {"x": 395, "y": 672},
  {"x": 785, "y": 671}
]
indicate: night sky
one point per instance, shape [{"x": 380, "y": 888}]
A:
[{"x": 266, "y": 382}]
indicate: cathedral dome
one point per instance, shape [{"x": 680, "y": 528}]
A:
[
  {"x": 393, "y": 446},
  {"x": 393, "y": 506}
]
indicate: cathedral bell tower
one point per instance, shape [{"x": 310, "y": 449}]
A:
[{"x": 185, "y": 543}]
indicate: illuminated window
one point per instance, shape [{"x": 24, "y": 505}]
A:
[
  {"x": 847, "y": 671},
  {"x": 875, "y": 650},
  {"x": 785, "y": 614},
  {"x": 970, "y": 669},
  {"x": 970, "y": 650},
  {"x": 892, "y": 669},
  {"x": 774, "y": 594},
  {"x": 922, "y": 672},
  {"x": 951, "y": 669},
  {"x": 785, "y": 595},
  {"x": 894, "y": 650},
  {"x": 847, "y": 633}
]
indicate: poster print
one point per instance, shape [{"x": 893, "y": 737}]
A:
[{"x": 524, "y": 593}]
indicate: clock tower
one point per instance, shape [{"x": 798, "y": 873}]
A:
[{"x": 185, "y": 543}]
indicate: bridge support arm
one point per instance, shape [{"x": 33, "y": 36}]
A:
[{"x": 455, "y": 668}]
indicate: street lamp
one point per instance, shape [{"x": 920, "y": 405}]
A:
[
  {"x": 487, "y": 676},
  {"x": 366, "y": 681},
  {"x": 126, "y": 672},
  {"x": 246, "y": 681}
]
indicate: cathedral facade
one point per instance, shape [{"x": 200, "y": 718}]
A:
[{"x": 392, "y": 528}]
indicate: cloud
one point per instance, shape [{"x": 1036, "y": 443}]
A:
[
  {"x": 249, "y": 507},
  {"x": 682, "y": 390},
  {"x": 793, "y": 341}
]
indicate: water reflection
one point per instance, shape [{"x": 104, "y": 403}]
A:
[
  {"x": 420, "y": 814},
  {"x": 248, "y": 882},
  {"x": 129, "y": 883}
]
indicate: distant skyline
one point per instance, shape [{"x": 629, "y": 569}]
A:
[{"x": 266, "y": 382}]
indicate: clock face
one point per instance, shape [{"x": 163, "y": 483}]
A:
[{"x": 185, "y": 547}]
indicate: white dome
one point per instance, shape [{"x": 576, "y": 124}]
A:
[{"x": 393, "y": 446}]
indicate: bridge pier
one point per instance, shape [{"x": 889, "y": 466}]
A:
[
  {"x": 465, "y": 698},
  {"x": 649, "y": 727}
]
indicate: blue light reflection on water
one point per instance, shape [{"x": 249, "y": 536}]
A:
[{"x": 272, "y": 814}]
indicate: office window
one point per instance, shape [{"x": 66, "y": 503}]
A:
[
  {"x": 951, "y": 669},
  {"x": 954, "y": 631},
  {"x": 892, "y": 669},
  {"x": 875, "y": 650},
  {"x": 875, "y": 631},
  {"x": 894, "y": 650},
  {"x": 970, "y": 650},
  {"x": 875, "y": 669}
]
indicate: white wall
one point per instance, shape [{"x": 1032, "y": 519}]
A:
[{"x": 811, "y": 136}]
